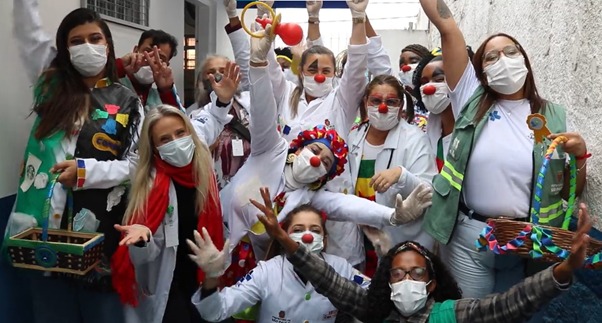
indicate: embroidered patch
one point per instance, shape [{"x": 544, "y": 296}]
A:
[
  {"x": 103, "y": 142},
  {"x": 494, "y": 115}
]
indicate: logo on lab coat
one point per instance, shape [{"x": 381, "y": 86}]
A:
[{"x": 280, "y": 318}]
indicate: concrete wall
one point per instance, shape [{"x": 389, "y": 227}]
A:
[{"x": 562, "y": 39}]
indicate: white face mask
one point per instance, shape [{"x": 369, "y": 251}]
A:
[
  {"x": 88, "y": 59},
  {"x": 315, "y": 89},
  {"x": 303, "y": 171},
  {"x": 436, "y": 103},
  {"x": 290, "y": 76},
  {"x": 406, "y": 77},
  {"x": 409, "y": 296},
  {"x": 313, "y": 241},
  {"x": 507, "y": 75},
  {"x": 383, "y": 121},
  {"x": 145, "y": 75},
  {"x": 179, "y": 152}
]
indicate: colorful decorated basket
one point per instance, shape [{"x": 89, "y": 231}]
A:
[
  {"x": 62, "y": 251},
  {"x": 533, "y": 240}
]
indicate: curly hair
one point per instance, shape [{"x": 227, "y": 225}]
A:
[{"x": 379, "y": 293}]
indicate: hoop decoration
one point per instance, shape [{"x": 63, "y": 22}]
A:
[
  {"x": 536, "y": 240},
  {"x": 291, "y": 34}
]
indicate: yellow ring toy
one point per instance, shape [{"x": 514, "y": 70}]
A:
[{"x": 275, "y": 19}]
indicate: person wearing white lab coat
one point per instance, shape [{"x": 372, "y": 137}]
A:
[
  {"x": 296, "y": 175},
  {"x": 153, "y": 242},
  {"x": 273, "y": 286},
  {"x": 388, "y": 156},
  {"x": 77, "y": 156}
]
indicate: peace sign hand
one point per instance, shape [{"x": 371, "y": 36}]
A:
[
  {"x": 226, "y": 87},
  {"x": 268, "y": 219},
  {"x": 161, "y": 71}
]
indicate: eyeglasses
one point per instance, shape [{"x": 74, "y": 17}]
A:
[
  {"x": 376, "y": 101},
  {"x": 510, "y": 51},
  {"x": 416, "y": 273}
]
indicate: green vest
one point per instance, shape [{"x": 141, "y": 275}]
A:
[
  {"x": 443, "y": 312},
  {"x": 440, "y": 219}
]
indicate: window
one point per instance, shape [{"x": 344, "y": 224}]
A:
[
  {"x": 132, "y": 11},
  {"x": 189, "y": 53}
]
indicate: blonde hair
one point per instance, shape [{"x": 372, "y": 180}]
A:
[
  {"x": 143, "y": 179},
  {"x": 202, "y": 96}
]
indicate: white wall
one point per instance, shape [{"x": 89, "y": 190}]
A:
[
  {"x": 395, "y": 40},
  {"x": 16, "y": 94},
  {"x": 563, "y": 41}
]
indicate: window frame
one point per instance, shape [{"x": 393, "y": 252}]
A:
[
  {"x": 186, "y": 48},
  {"x": 84, "y": 4}
]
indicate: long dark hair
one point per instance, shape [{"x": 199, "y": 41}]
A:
[
  {"x": 62, "y": 97},
  {"x": 379, "y": 293},
  {"x": 490, "y": 96},
  {"x": 274, "y": 248},
  {"x": 402, "y": 94}
]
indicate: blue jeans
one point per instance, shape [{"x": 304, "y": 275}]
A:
[
  {"x": 62, "y": 300},
  {"x": 479, "y": 273}
]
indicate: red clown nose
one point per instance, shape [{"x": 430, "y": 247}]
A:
[
  {"x": 320, "y": 78},
  {"x": 406, "y": 68},
  {"x": 314, "y": 161},
  {"x": 307, "y": 238},
  {"x": 383, "y": 108},
  {"x": 429, "y": 90}
]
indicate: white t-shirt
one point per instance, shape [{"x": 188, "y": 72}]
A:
[{"x": 498, "y": 176}]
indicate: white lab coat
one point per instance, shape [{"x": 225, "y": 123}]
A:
[
  {"x": 282, "y": 294},
  {"x": 407, "y": 147},
  {"x": 37, "y": 52},
  {"x": 265, "y": 167},
  {"x": 155, "y": 263},
  {"x": 339, "y": 107}
]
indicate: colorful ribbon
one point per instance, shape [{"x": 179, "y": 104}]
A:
[{"x": 487, "y": 240}]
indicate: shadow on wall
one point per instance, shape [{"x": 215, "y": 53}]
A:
[{"x": 15, "y": 299}]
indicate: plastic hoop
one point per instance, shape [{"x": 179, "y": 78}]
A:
[
  {"x": 275, "y": 19},
  {"x": 535, "y": 209}
]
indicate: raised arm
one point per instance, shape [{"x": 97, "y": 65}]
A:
[
  {"x": 34, "y": 44},
  {"x": 378, "y": 58},
  {"x": 240, "y": 43},
  {"x": 313, "y": 28},
  {"x": 453, "y": 45},
  {"x": 351, "y": 88},
  {"x": 263, "y": 114}
]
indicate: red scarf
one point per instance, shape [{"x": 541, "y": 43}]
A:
[{"x": 123, "y": 274}]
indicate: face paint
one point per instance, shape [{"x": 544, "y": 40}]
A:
[{"x": 314, "y": 64}]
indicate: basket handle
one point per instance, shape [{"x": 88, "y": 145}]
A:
[
  {"x": 48, "y": 207},
  {"x": 536, "y": 204}
]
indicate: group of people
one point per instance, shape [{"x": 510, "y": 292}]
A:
[{"x": 296, "y": 188}]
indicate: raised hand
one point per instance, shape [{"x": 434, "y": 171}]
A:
[
  {"x": 260, "y": 47},
  {"x": 563, "y": 273},
  {"x": 206, "y": 256},
  {"x": 575, "y": 144},
  {"x": 161, "y": 71},
  {"x": 132, "y": 62},
  {"x": 227, "y": 86},
  {"x": 231, "y": 8},
  {"x": 268, "y": 218},
  {"x": 313, "y": 8},
  {"x": 358, "y": 8},
  {"x": 261, "y": 11},
  {"x": 413, "y": 207}
]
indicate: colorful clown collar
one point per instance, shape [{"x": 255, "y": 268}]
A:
[{"x": 331, "y": 139}]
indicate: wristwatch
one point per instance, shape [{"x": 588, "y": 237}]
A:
[
  {"x": 359, "y": 20},
  {"x": 314, "y": 21}
]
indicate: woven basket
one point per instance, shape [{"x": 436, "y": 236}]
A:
[
  {"x": 63, "y": 251},
  {"x": 537, "y": 241}
]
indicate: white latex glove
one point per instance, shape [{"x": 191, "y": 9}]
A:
[
  {"x": 413, "y": 207},
  {"x": 313, "y": 8},
  {"x": 380, "y": 240},
  {"x": 231, "y": 8},
  {"x": 263, "y": 11},
  {"x": 358, "y": 8},
  {"x": 260, "y": 47},
  {"x": 206, "y": 256}
]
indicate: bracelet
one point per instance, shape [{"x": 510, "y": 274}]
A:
[
  {"x": 313, "y": 21},
  {"x": 585, "y": 156},
  {"x": 582, "y": 167},
  {"x": 359, "y": 20}
]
